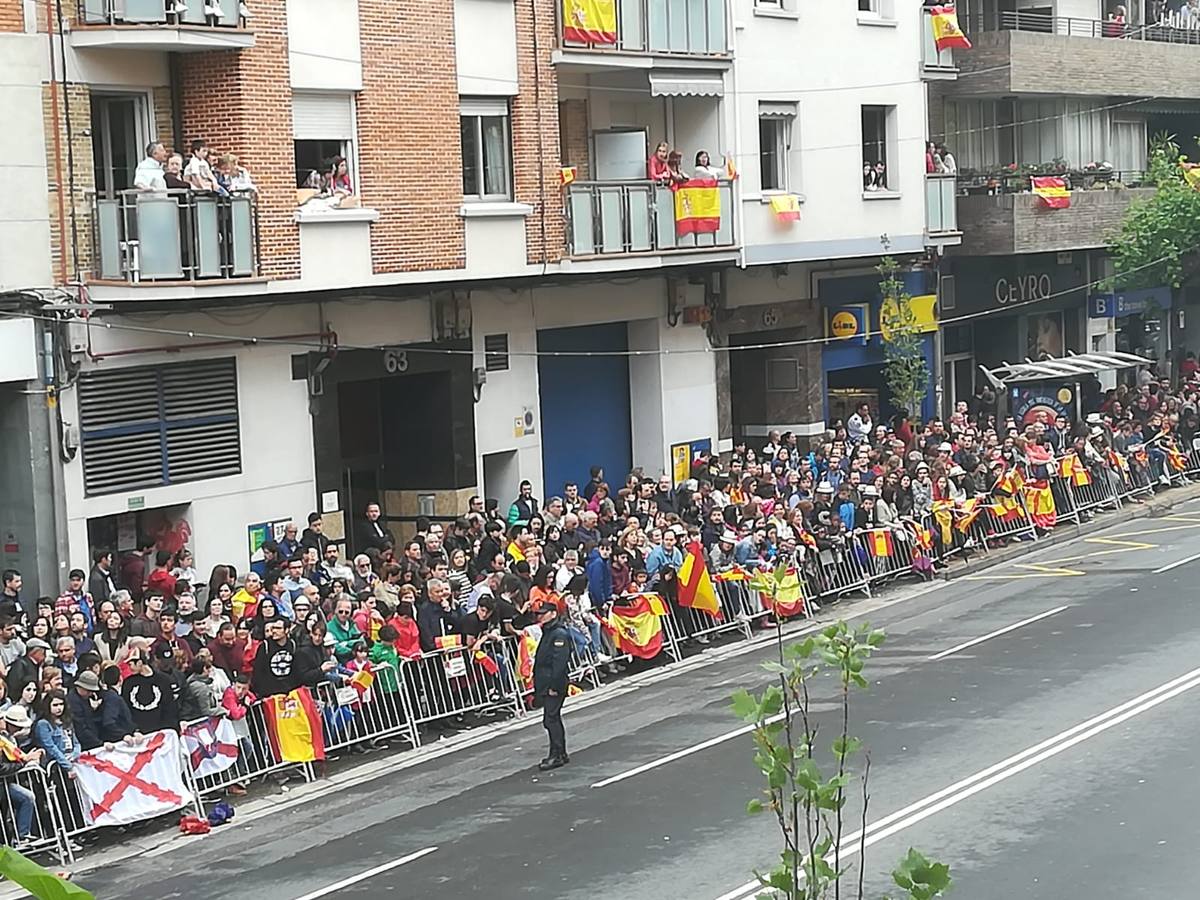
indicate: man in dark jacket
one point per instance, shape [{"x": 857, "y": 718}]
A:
[
  {"x": 100, "y": 581},
  {"x": 27, "y": 668},
  {"x": 274, "y": 666},
  {"x": 550, "y": 666},
  {"x": 372, "y": 532},
  {"x": 99, "y": 716},
  {"x": 313, "y": 537},
  {"x": 150, "y": 695}
]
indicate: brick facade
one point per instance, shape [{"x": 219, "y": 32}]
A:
[
  {"x": 240, "y": 102},
  {"x": 164, "y": 121},
  {"x": 573, "y": 136},
  {"x": 408, "y": 135},
  {"x": 12, "y": 15},
  {"x": 63, "y": 239},
  {"x": 535, "y": 131}
]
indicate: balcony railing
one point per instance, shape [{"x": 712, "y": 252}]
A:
[
  {"x": 932, "y": 59},
  {"x": 198, "y": 13},
  {"x": 607, "y": 218},
  {"x": 685, "y": 27},
  {"x": 1174, "y": 28},
  {"x": 1010, "y": 181},
  {"x": 175, "y": 236},
  {"x": 941, "y": 204}
]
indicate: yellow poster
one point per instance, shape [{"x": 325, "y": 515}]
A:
[{"x": 681, "y": 463}]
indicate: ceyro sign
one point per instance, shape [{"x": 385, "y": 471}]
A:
[{"x": 1023, "y": 289}]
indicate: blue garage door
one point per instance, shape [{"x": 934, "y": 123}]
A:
[{"x": 584, "y": 406}]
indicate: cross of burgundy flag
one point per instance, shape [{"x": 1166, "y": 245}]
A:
[
  {"x": 211, "y": 746},
  {"x": 128, "y": 784}
]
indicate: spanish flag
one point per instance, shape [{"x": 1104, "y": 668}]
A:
[
  {"x": 1012, "y": 481},
  {"x": 969, "y": 512},
  {"x": 786, "y": 207},
  {"x": 880, "y": 542},
  {"x": 514, "y": 552},
  {"x": 362, "y": 680},
  {"x": 1119, "y": 461},
  {"x": 526, "y": 651},
  {"x": 1040, "y": 501},
  {"x": 924, "y": 537},
  {"x": 789, "y": 596},
  {"x": 656, "y": 604},
  {"x": 1071, "y": 469},
  {"x": 567, "y": 174},
  {"x": 635, "y": 629},
  {"x": 445, "y": 641},
  {"x": 1006, "y": 508},
  {"x": 486, "y": 663},
  {"x": 946, "y": 33},
  {"x": 731, "y": 171},
  {"x": 697, "y": 207},
  {"x": 696, "y": 589},
  {"x": 294, "y": 727},
  {"x": 943, "y": 514},
  {"x": 1178, "y": 460},
  {"x": 589, "y": 21},
  {"x": 1052, "y": 191}
]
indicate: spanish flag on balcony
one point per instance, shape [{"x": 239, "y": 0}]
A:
[
  {"x": 1053, "y": 191},
  {"x": 567, "y": 174},
  {"x": 589, "y": 21},
  {"x": 946, "y": 33},
  {"x": 786, "y": 207},
  {"x": 635, "y": 629},
  {"x": 697, "y": 207}
]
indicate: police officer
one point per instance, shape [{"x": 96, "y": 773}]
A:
[{"x": 550, "y": 681}]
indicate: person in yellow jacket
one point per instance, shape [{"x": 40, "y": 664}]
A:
[{"x": 244, "y": 603}]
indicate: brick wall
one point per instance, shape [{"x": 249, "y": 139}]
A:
[
  {"x": 76, "y": 98},
  {"x": 12, "y": 15},
  {"x": 573, "y": 130},
  {"x": 408, "y": 135},
  {"x": 240, "y": 102},
  {"x": 535, "y": 132},
  {"x": 164, "y": 121}
]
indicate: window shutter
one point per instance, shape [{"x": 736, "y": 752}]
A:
[
  {"x": 322, "y": 116},
  {"x": 483, "y": 106},
  {"x": 154, "y": 425}
]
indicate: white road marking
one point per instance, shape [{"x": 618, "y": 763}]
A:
[
  {"x": 998, "y": 632},
  {"x": 370, "y": 873},
  {"x": 1179, "y": 562},
  {"x": 680, "y": 754},
  {"x": 1001, "y": 771}
]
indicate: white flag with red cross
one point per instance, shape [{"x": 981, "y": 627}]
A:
[
  {"x": 211, "y": 745},
  {"x": 130, "y": 783}
]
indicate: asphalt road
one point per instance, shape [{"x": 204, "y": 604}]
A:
[{"x": 1054, "y": 811}]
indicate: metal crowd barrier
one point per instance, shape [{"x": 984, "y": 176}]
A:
[
  {"x": 689, "y": 624},
  {"x": 349, "y": 717},
  {"x": 836, "y": 570},
  {"x": 47, "y": 833},
  {"x": 450, "y": 682}
]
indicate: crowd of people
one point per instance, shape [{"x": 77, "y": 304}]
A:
[
  {"x": 665, "y": 167},
  {"x": 939, "y": 160},
  {"x": 161, "y": 170}
]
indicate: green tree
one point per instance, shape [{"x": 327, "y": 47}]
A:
[
  {"x": 807, "y": 803},
  {"x": 1158, "y": 239},
  {"x": 904, "y": 366}
]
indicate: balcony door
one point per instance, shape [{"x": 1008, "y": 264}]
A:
[{"x": 120, "y": 132}]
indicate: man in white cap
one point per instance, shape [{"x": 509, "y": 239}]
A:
[
  {"x": 27, "y": 668},
  {"x": 12, "y": 760},
  {"x": 721, "y": 558}
]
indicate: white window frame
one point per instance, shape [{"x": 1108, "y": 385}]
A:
[
  {"x": 783, "y": 115},
  {"x": 891, "y": 149},
  {"x": 344, "y": 133},
  {"x": 781, "y": 9},
  {"x": 876, "y": 12},
  {"x": 479, "y": 108}
]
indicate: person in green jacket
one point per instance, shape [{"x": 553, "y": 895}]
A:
[
  {"x": 345, "y": 633},
  {"x": 383, "y": 651}
]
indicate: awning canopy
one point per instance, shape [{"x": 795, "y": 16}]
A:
[
  {"x": 1072, "y": 366},
  {"x": 686, "y": 84}
]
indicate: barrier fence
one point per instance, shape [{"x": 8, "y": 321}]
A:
[{"x": 42, "y": 810}]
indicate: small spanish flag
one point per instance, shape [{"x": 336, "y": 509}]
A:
[
  {"x": 589, "y": 21},
  {"x": 731, "y": 171},
  {"x": 486, "y": 663},
  {"x": 880, "y": 542},
  {"x": 697, "y": 207},
  {"x": 446, "y": 641},
  {"x": 1052, "y": 191},
  {"x": 635, "y": 629},
  {"x": 786, "y": 207},
  {"x": 567, "y": 174},
  {"x": 362, "y": 680},
  {"x": 696, "y": 589},
  {"x": 946, "y": 33}
]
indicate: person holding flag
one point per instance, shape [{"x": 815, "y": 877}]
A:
[{"x": 550, "y": 666}]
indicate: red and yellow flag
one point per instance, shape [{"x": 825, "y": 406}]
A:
[
  {"x": 514, "y": 552},
  {"x": 1052, "y": 191},
  {"x": 485, "y": 662},
  {"x": 943, "y": 514},
  {"x": 589, "y": 21},
  {"x": 1011, "y": 482},
  {"x": 696, "y": 589},
  {"x": 294, "y": 727},
  {"x": 1178, "y": 460},
  {"x": 1071, "y": 469},
  {"x": 731, "y": 171},
  {"x": 656, "y": 604},
  {"x": 789, "y": 596},
  {"x": 444, "y": 641},
  {"x": 1040, "y": 500},
  {"x": 923, "y": 536},
  {"x": 968, "y": 513},
  {"x": 697, "y": 207},
  {"x": 635, "y": 629},
  {"x": 880, "y": 542},
  {"x": 567, "y": 174},
  {"x": 1006, "y": 508},
  {"x": 362, "y": 680},
  {"x": 946, "y": 33},
  {"x": 786, "y": 207}
]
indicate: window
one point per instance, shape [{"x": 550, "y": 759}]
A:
[
  {"x": 486, "y": 149},
  {"x": 868, "y": 6},
  {"x": 775, "y": 123},
  {"x": 878, "y": 139},
  {"x": 495, "y": 352},
  {"x": 322, "y": 131},
  {"x": 154, "y": 425}
]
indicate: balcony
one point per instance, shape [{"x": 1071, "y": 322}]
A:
[
  {"x": 996, "y": 220},
  {"x": 1038, "y": 53},
  {"x": 607, "y": 218},
  {"x": 941, "y": 210},
  {"x": 673, "y": 28},
  {"x": 156, "y": 25},
  {"x": 172, "y": 236},
  {"x": 935, "y": 64}
]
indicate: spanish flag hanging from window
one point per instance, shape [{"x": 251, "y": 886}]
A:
[
  {"x": 1052, "y": 191},
  {"x": 786, "y": 207},
  {"x": 946, "y": 33},
  {"x": 697, "y": 207},
  {"x": 589, "y": 21},
  {"x": 294, "y": 727},
  {"x": 635, "y": 629}
]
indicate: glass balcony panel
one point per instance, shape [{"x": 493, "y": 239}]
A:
[
  {"x": 241, "y": 237},
  {"x": 208, "y": 237},
  {"x": 158, "y": 236}
]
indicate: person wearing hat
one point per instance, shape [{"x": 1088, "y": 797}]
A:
[
  {"x": 27, "y": 668},
  {"x": 149, "y": 693},
  {"x": 100, "y": 717},
  {"x": 722, "y": 558},
  {"x": 12, "y": 760},
  {"x": 550, "y": 666}
]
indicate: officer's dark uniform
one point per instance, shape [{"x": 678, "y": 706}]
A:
[{"x": 550, "y": 667}]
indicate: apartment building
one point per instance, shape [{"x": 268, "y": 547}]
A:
[{"x": 467, "y": 320}]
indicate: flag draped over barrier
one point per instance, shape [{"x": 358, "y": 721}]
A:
[
  {"x": 697, "y": 207},
  {"x": 635, "y": 629},
  {"x": 1052, "y": 191},
  {"x": 130, "y": 783},
  {"x": 789, "y": 596},
  {"x": 211, "y": 746},
  {"x": 880, "y": 542},
  {"x": 696, "y": 589},
  {"x": 1074, "y": 471},
  {"x": 1040, "y": 500},
  {"x": 590, "y": 21},
  {"x": 294, "y": 726}
]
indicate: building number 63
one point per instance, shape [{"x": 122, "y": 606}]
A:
[{"x": 395, "y": 361}]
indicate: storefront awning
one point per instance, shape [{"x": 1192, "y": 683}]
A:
[
  {"x": 1072, "y": 366},
  {"x": 686, "y": 84}
]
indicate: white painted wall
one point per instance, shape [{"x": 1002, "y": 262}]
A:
[
  {"x": 324, "y": 51},
  {"x": 485, "y": 42},
  {"x": 807, "y": 61},
  {"x": 495, "y": 245},
  {"x": 335, "y": 252},
  {"x": 24, "y": 207},
  {"x": 645, "y": 397},
  {"x": 112, "y": 68}
]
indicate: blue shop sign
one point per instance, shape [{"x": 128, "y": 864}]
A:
[{"x": 1128, "y": 303}]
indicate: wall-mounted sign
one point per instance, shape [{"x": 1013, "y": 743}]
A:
[
  {"x": 1023, "y": 289},
  {"x": 924, "y": 314},
  {"x": 848, "y": 322}
]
